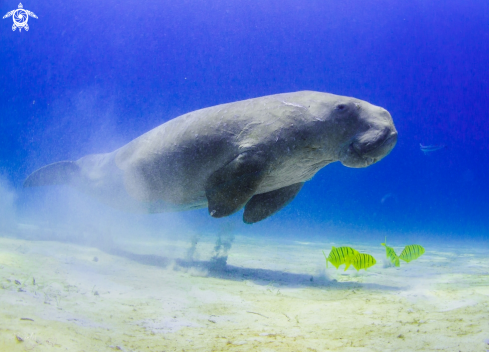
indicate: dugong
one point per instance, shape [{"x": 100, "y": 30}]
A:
[{"x": 255, "y": 153}]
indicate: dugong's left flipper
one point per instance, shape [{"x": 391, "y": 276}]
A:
[
  {"x": 229, "y": 188},
  {"x": 59, "y": 173},
  {"x": 261, "y": 206}
]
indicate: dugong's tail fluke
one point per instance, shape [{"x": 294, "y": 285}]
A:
[{"x": 59, "y": 173}]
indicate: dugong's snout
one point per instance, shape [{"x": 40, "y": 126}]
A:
[
  {"x": 376, "y": 144},
  {"x": 371, "y": 143}
]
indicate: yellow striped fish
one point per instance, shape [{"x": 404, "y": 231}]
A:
[
  {"x": 391, "y": 254},
  {"x": 337, "y": 255},
  {"x": 360, "y": 261},
  {"x": 411, "y": 252}
]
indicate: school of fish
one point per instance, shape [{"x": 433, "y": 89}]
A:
[{"x": 350, "y": 256}]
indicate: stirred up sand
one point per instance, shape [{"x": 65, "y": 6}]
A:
[{"x": 271, "y": 296}]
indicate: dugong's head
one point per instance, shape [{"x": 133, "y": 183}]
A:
[{"x": 364, "y": 133}]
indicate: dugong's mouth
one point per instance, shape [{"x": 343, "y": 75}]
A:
[{"x": 361, "y": 153}]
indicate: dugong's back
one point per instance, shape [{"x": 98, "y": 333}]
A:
[
  {"x": 255, "y": 153},
  {"x": 174, "y": 160}
]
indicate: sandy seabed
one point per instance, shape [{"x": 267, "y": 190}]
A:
[{"x": 271, "y": 296}]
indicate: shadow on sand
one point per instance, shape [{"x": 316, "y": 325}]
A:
[
  {"x": 215, "y": 268},
  {"x": 219, "y": 269}
]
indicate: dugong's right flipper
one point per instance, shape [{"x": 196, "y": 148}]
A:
[
  {"x": 261, "y": 206},
  {"x": 229, "y": 188},
  {"x": 59, "y": 173}
]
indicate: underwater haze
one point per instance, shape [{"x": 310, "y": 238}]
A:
[{"x": 90, "y": 76}]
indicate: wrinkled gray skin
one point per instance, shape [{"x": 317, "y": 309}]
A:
[{"x": 255, "y": 153}]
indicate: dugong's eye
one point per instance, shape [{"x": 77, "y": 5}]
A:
[{"x": 341, "y": 107}]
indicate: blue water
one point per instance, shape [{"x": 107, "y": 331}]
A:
[{"x": 89, "y": 76}]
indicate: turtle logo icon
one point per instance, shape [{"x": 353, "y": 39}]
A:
[{"x": 20, "y": 17}]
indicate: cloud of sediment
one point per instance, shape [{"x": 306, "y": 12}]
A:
[
  {"x": 7, "y": 206},
  {"x": 225, "y": 239}
]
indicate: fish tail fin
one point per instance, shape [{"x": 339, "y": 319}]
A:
[
  {"x": 348, "y": 262},
  {"x": 59, "y": 173}
]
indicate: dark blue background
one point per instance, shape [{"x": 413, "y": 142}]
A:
[{"x": 91, "y": 75}]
